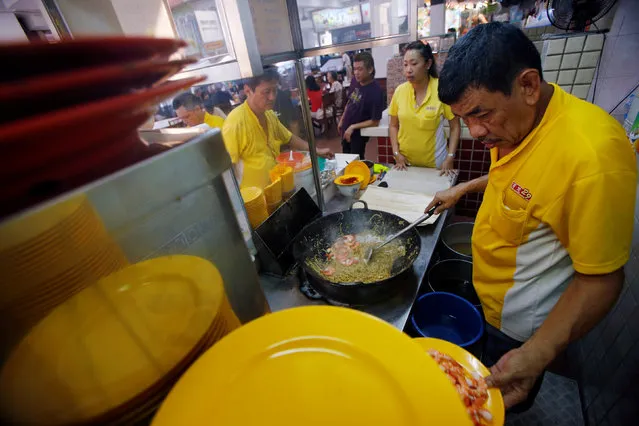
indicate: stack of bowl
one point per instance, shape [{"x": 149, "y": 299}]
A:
[
  {"x": 112, "y": 352},
  {"x": 255, "y": 204},
  {"x": 75, "y": 109},
  {"x": 273, "y": 194},
  {"x": 46, "y": 257}
]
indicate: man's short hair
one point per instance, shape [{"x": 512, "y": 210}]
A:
[
  {"x": 367, "y": 59},
  {"x": 187, "y": 100},
  {"x": 270, "y": 74},
  {"x": 490, "y": 56}
]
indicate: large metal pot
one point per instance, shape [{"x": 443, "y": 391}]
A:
[
  {"x": 454, "y": 276},
  {"x": 456, "y": 241},
  {"x": 318, "y": 236}
]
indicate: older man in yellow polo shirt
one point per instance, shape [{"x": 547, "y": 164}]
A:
[
  {"x": 554, "y": 229},
  {"x": 253, "y": 134},
  {"x": 190, "y": 109}
]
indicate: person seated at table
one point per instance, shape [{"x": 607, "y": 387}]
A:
[
  {"x": 336, "y": 88},
  {"x": 190, "y": 109},
  {"x": 253, "y": 134},
  {"x": 315, "y": 95},
  {"x": 416, "y": 127}
]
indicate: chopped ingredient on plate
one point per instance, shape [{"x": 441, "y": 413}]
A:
[{"x": 470, "y": 386}]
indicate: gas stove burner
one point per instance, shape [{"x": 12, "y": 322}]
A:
[{"x": 308, "y": 291}]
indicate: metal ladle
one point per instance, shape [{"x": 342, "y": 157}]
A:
[{"x": 369, "y": 251}]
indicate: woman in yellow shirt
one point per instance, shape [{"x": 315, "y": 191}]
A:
[{"x": 416, "y": 127}]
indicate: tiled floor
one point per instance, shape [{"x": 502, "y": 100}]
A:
[{"x": 557, "y": 404}]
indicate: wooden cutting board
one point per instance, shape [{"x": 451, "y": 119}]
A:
[
  {"x": 418, "y": 180},
  {"x": 407, "y": 205}
]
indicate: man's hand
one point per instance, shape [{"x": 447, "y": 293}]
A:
[
  {"x": 515, "y": 374},
  {"x": 400, "y": 162},
  {"x": 348, "y": 133},
  {"x": 446, "y": 199},
  {"x": 325, "y": 152},
  {"x": 448, "y": 166}
]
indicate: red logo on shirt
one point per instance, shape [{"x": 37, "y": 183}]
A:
[{"x": 521, "y": 191}]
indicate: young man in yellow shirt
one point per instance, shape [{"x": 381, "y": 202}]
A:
[
  {"x": 554, "y": 229},
  {"x": 190, "y": 109},
  {"x": 253, "y": 134}
]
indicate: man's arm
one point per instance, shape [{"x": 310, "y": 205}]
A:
[
  {"x": 300, "y": 144},
  {"x": 448, "y": 198},
  {"x": 585, "y": 302}
]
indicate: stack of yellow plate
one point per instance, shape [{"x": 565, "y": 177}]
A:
[
  {"x": 273, "y": 194},
  {"x": 255, "y": 204},
  {"x": 314, "y": 366},
  {"x": 49, "y": 255},
  {"x": 288, "y": 178},
  {"x": 112, "y": 352}
]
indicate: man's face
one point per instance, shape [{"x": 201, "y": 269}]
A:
[
  {"x": 361, "y": 73},
  {"x": 330, "y": 78},
  {"x": 498, "y": 120},
  {"x": 191, "y": 117},
  {"x": 263, "y": 97}
]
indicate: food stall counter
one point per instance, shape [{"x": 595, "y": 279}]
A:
[{"x": 284, "y": 292}]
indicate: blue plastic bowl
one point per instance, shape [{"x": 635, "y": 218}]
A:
[{"x": 448, "y": 317}]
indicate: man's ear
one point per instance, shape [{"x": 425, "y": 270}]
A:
[
  {"x": 247, "y": 90},
  {"x": 530, "y": 85}
]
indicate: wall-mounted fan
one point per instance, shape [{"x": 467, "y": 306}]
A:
[{"x": 575, "y": 15}]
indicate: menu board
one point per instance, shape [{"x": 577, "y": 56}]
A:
[
  {"x": 331, "y": 19},
  {"x": 210, "y": 29},
  {"x": 366, "y": 12},
  {"x": 272, "y": 27}
]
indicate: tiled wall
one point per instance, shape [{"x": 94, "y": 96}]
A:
[
  {"x": 571, "y": 62},
  {"x": 608, "y": 357}
]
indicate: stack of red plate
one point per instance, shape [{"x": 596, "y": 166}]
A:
[{"x": 72, "y": 110}]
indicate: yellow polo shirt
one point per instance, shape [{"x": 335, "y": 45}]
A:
[
  {"x": 250, "y": 146},
  {"x": 213, "y": 121},
  {"x": 419, "y": 125},
  {"x": 563, "y": 201}
]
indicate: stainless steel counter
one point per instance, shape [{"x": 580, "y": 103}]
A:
[{"x": 283, "y": 293}]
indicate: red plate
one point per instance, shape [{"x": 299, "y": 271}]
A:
[
  {"x": 56, "y": 152},
  {"x": 39, "y": 95},
  {"x": 25, "y": 60}
]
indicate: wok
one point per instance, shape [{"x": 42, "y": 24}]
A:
[{"x": 320, "y": 234}]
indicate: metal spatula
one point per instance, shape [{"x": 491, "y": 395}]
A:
[{"x": 369, "y": 251}]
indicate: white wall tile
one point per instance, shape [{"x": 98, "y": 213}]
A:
[
  {"x": 574, "y": 44},
  {"x": 556, "y": 46},
  {"x": 551, "y": 76},
  {"x": 580, "y": 90},
  {"x": 570, "y": 61},
  {"x": 566, "y": 88},
  {"x": 589, "y": 60},
  {"x": 584, "y": 76},
  {"x": 552, "y": 62},
  {"x": 566, "y": 77},
  {"x": 594, "y": 42},
  {"x": 539, "y": 45}
]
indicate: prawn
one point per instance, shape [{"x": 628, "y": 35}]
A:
[{"x": 472, "y": 388}]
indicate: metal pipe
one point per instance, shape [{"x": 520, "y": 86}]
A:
[{"x": 308, "y": 122}]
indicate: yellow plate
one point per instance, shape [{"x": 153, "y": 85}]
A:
[
  {"x": 495, "y": 403},
  {"x": 251, "y": 194},
  {"x": 373, "y": 179},
  {"x": 111, "y": 341},
  {"x": 314, "y": 366},
  {"x": 359, "y": 168}
]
